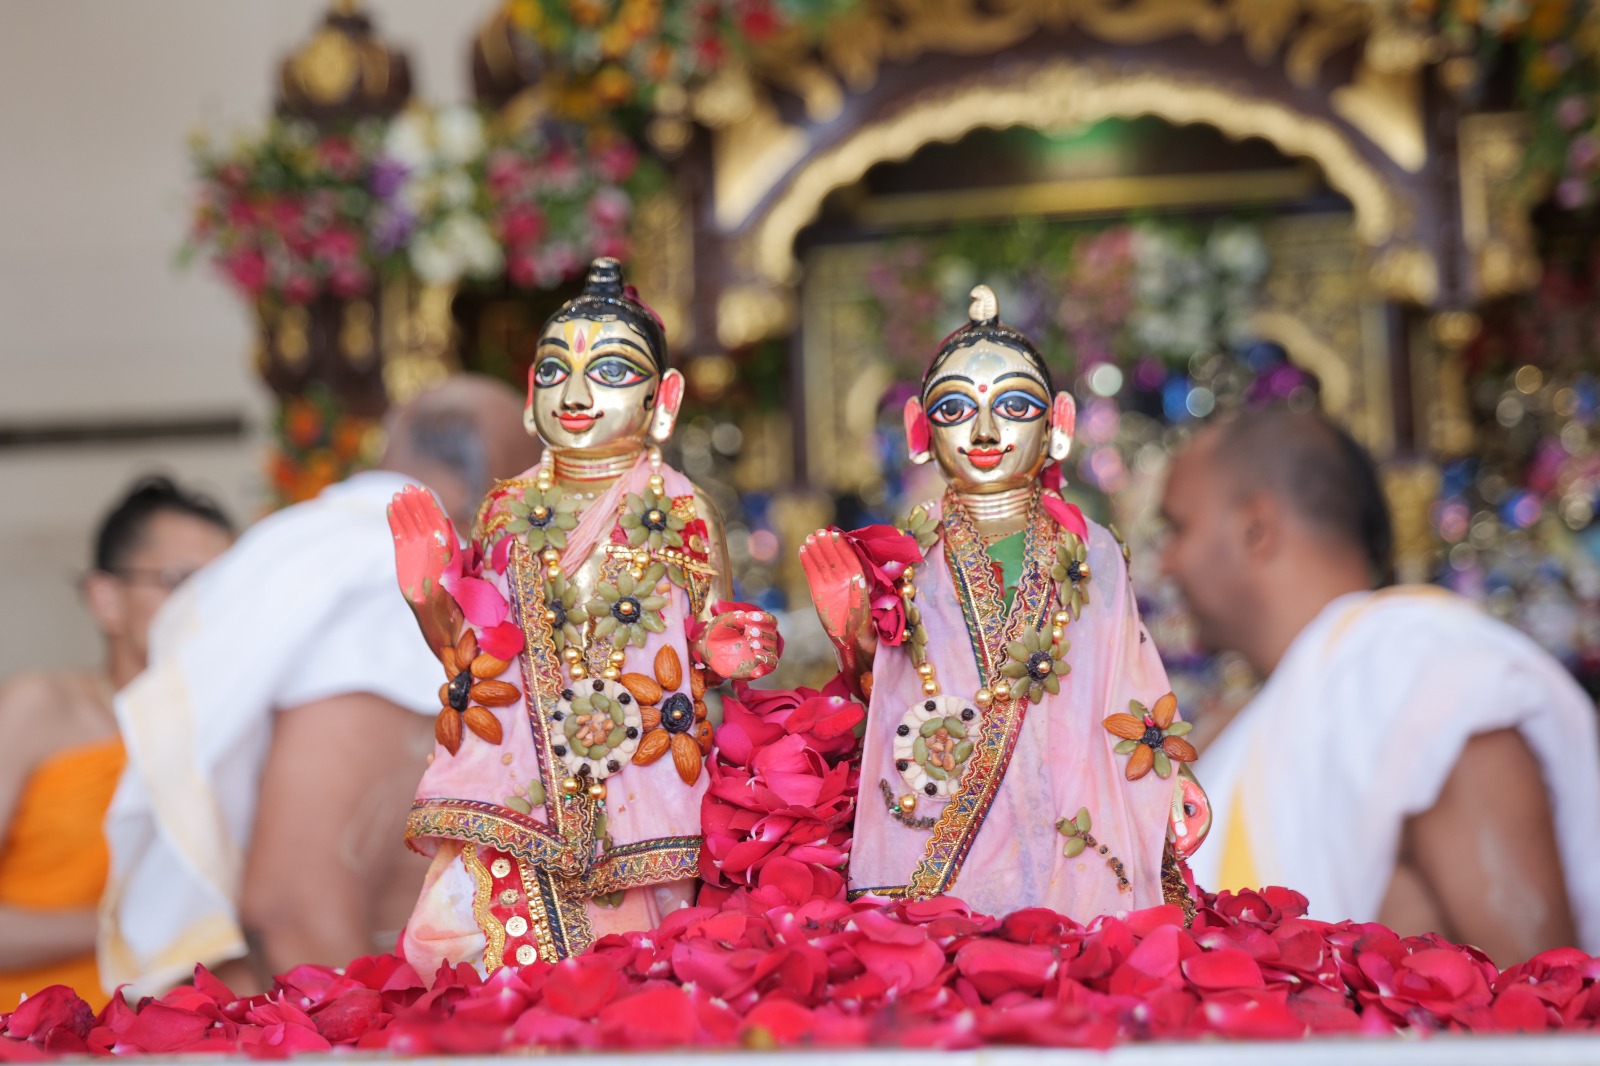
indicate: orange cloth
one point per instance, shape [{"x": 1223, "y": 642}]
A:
[{"x": 55, "y": 856}]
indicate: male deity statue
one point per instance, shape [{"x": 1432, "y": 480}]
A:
[
  {"x": 1022, "y": 746},
  {"x": 579, "y": 631}
]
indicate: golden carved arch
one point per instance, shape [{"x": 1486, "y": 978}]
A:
[{"x": 1053, "y": 96}]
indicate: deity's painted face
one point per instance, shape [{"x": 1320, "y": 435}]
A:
[
  {"x": 988, "y": 411},
  {"x": 592, "y": 387}
]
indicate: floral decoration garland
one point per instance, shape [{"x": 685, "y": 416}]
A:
[
  {"x": 296, "y": 212},
  {"x": 316, "y": 443},
  {"x": 620, "y": 53}
]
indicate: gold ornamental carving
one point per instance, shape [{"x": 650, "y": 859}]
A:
[
  {"x": 417, "y": 337},
  {"x": 1495, "y": 203},
  {"x": 1059, "y": 95},
  {"x": 663, "y": 262}
]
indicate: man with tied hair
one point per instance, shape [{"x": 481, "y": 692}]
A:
[
  {"x": 59, "y": 749},
  {"x": 1408, "y": 760},
  {"x": 274, "y": 741}
]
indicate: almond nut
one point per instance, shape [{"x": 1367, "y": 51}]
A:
[
  {"x": 495, "y": 693},
  {"x": 651, "y": 748},
  {"x": 669, "y": 668},
  {"x": 686, "y": 757},
  {"x": 447, "y": 730},
  {"x": 482, "y": 722},
  {"x": 487, "y": 666},
  {"x": 642, "y": 688},
  {"x": 649, "y": 717}
]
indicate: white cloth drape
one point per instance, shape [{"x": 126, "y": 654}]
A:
[
  {"x": 1359, "y": 727},
  {"x": 304, "y": 607}
]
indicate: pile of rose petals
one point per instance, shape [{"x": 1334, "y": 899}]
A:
[
  {"x": 774, "y": 957},
  {"x": 826, "y": 973}
]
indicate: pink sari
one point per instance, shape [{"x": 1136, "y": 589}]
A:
[
  {"x": 507, "y": 886},
  {"x": 994, "y": 843}
]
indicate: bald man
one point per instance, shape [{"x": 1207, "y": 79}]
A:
[
  {"x": 277, "y": 736},
  {"x": 1408, "y": 759}
]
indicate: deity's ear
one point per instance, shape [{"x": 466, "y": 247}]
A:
[
  {"x": 669, "y": 399},
  {"x": 919, "y": 435},
  {"x": 1063, "y": 422}
]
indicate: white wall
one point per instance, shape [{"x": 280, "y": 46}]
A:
[{"x": 97, "y": 100}]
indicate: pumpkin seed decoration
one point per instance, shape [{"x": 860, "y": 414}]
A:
[
  {"x": 933, "y": 742},
  {"x": 628, "y": 610},
  {"x": 527, "y": 799},
  {"x": 1076, "y": 830},
  {"x": 1071, "y": 572},
  {"x": 649, "y": 523},
  {"x": 920, "y": 525},
  {"x": 543, "y": 519},
  {"x": 1032, "y": 666},
  {"x": 566, "y": 615}
]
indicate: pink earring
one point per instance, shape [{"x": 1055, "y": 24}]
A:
[
  {"x": 1063, "y": 421},
  {"x": 919, "y": 435}
]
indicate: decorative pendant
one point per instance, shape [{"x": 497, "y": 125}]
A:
[
  {"x": 597, "y": 723},
  {"x": 933, "y": 742}
]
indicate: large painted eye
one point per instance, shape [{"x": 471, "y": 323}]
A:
[
  {"x": 550, "y": 372},
  {"x": 615, "y": 372},
  {"x": 1018, "y": 406},
  {"x": 952, "y": 410}
]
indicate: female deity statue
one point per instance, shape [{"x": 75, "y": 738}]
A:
[
  {"x": 1022, "y": 746},
  {"x": 579, "y": 631}
]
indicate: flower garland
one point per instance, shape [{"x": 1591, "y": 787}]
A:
[
  {"x": 295, "y": 213},
  {"x": 620, "y": 53}
]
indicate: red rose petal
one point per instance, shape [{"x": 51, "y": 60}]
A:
[{"x": 1223, "y": 968}]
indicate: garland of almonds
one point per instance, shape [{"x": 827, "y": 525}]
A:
[{"x": 670, "y": 719}]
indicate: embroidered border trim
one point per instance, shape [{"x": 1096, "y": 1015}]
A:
[
  {"x": 990, "y": 629},
  {"x": 494, "y": 933},
  {"x": 490, "y": 825},
  {"x": 648, "y": 862}
]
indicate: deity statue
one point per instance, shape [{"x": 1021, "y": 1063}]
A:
[
  {"x": 579, "y": 631},
  {"x": 1022, "y": 744}
]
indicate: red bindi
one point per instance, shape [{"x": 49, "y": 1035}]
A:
[{"x": 983, "y": 388}]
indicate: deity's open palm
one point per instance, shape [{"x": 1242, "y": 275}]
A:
[
  {"x": 424, "y": 543},
  {"x": 839, "y": 590}
]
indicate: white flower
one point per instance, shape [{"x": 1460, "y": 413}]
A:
[
  {"x": 455, "y": 188},
  {"x": 407, "y": 141},
  {"x": 435, "y": 261},
  {"x": 472, "y": 245},
  {"x": 458, "y": 132},
  {"x": 1238, "y": 250}
]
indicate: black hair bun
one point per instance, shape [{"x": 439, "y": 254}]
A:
[{"x": 605, "y": 278}]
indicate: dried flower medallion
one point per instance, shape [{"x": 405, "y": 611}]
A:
[
  {"x": 597, "y": 728},
  {"x": 626, "y": 610},
  {"x": 472, "y": 688},
  {"x": 1071, "y": 572},
  {"x": 1032, "y": 666},
  {"x": 1150, "y": 738},
  {"x": 648, "y": 521},
  {"x": 933, "y": 742},
  {"x": 542, "y": 519}
]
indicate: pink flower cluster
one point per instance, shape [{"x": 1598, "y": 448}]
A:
[
  {"x": 778, "y": 816},
  {"x": 555, "y": 206},
  {"x": 289, "y": 223},
  {"x": 833, "y": 974}
]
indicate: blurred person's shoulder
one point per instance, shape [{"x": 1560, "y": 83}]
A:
[
  {"x": 44, "y": 711},
  {"x": 1425, "y": 629}
]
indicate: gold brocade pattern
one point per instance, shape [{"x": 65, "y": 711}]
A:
[
  {"x": 1174, "y": 888},
  {"x": 482, "y": 901},
  {"x": 983, "y": 605}
]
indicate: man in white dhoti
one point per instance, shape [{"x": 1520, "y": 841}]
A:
[
  {"x": 277, "y": 735},
  {"x": 1408, "y": 760}
]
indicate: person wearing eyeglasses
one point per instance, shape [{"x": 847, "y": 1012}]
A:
[{"x": 60, "y": 752}]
